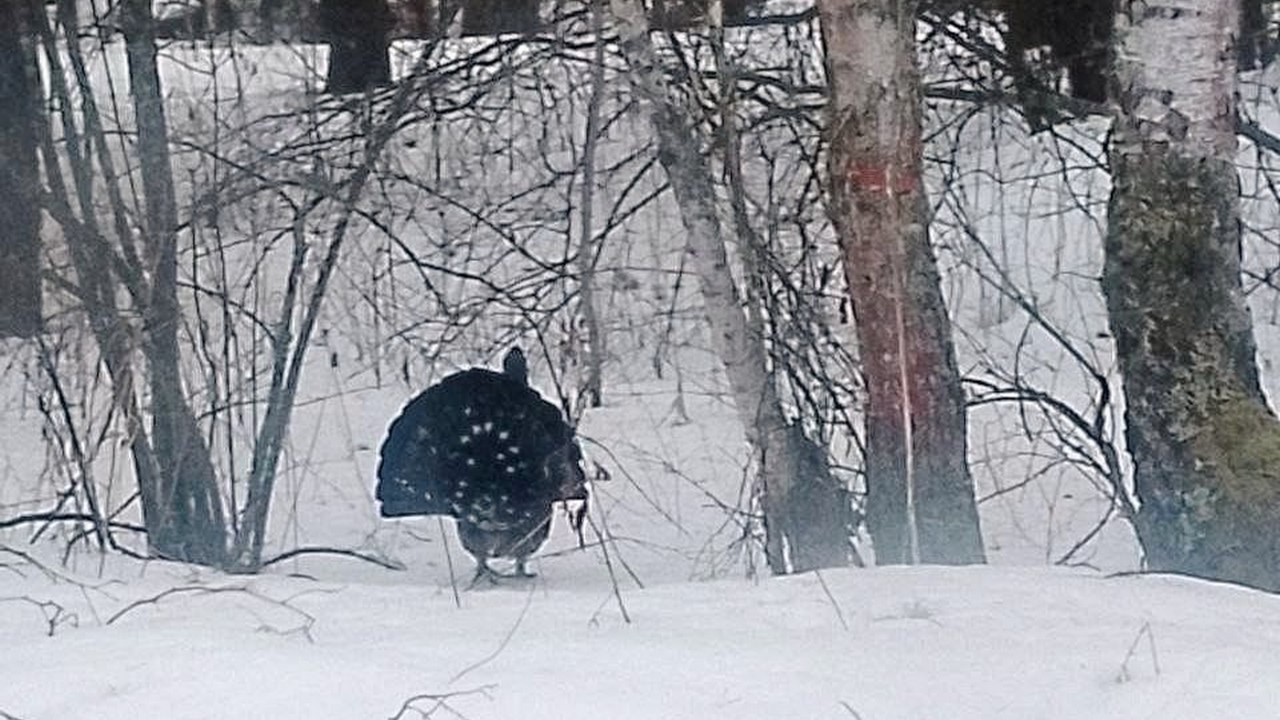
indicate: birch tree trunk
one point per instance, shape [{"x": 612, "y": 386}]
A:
[
  {"x": 593, "y": 357},
  {"x": 920, "y": 503},
  {"x": 1205, "y": 447},
  {"x": 806, "y": 512},
  {"x": 20, "y": 306}
]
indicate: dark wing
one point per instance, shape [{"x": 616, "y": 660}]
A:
[{"x": 478, "y": 445}]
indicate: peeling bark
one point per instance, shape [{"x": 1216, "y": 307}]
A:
[
  {"x": 1205, "y": 447},
  {"x": 920, "y": 503},
  {"x": 806, "y": 512}
]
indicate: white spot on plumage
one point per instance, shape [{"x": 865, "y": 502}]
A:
[
  {"x": 488, "y": 426},
  {"x": 503, "y": 435},
  {"x": 510, "y": 469},
  {"x": 471, "y": 462},
  {"x": 476, "y": 429}
]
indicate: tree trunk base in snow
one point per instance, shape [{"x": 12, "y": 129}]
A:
[
  {"x": 1206, "y": 449},
  {"x": 810, "y": 524},
  {"x": 357, "y": 65}
]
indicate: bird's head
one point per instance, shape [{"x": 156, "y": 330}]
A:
[
  {"x": 563, "y": 470},
  {"x": 515, "y": 366}
]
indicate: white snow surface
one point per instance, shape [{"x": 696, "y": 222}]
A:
[{"x": 882, "y": 644}]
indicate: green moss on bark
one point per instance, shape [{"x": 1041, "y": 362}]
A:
[
  {"x": 1206, "y": 449},
  {"x": 1240, "y": 451}
]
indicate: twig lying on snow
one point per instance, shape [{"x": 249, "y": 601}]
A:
[
  {"x": 320, "y": 550},
  {"x": 55, "y": 615},
  {"x": 308, "y": 620},
  {"x": 440, "y": 700}
]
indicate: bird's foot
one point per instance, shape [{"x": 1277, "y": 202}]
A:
[
  {"x": 488, "y": 577},
  {"x": 485, "y": 576},
  {"x": 521, "y": 571}
]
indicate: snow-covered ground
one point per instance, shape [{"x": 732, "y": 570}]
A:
[{"x": 883, "y": 644}]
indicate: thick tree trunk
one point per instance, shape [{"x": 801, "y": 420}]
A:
[
  {"x": 20, "y": 306},
  {"x": 183, "y": 510},
  {"x": 920, "y": 503},
  {"x": 358, "y": 32},
  {"x": 1206, "y": 449},
  {"x": 806, "y": 512}
]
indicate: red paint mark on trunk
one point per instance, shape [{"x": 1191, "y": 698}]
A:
[{"x": 878, "y": 177}]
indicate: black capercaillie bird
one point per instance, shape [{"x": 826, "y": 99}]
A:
[{"x": 485, "y": 448}]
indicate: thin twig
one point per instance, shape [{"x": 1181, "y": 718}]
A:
[
  {"x": 441, "y": 700},
  {"x": 849, "y": 708},
  {"x": 55, "y": 615},
  {"x": 214, "y": 590},
  {"x": 832, "y": 599},
  {"x": 49, "y": 517},
  {"x": 613, "y": 576},
  {"x": 448, "y": 559},
  {"x": 322, "y": 550},
  {"x": 511, "y": 632},
  {"x": 1123, "y": 675}
]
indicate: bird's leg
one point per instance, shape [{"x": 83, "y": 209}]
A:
[
  {"x": 521, "y": 570},
  {"x": 483, "y": 572}
]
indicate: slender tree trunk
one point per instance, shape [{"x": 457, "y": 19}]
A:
[
  {"x": 593, "y": 381},
  {"x": 290, "y": 341},
  {"x": 191, "y": 523},
  {"x": 920, "y": 504},
  {"x": 90, "y": 252},
  {"x": 805, "y": 511},
  {"x": 20, "y": 306},
  {"x": 1206, "y": 449}
]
